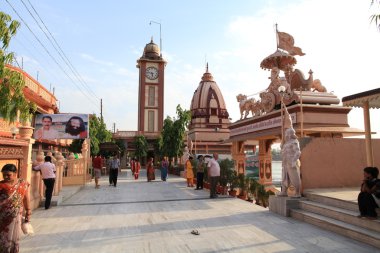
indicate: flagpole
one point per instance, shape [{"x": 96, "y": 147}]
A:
[
  {"x": 301, "y": 113},
  {"x": 276, "y": 36}
]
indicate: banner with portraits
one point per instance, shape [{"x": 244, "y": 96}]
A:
[{"x": 61, "y": 126}]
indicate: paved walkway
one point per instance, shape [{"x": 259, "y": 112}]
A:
[{"x": 137, "y": 216}]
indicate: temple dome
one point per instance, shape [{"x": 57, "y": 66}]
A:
[
  {"x": 208, "y": 108},
  {"x": 151, "y": 50}
]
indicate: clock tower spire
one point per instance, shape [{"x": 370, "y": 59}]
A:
[{"x": 151, "y": 67}]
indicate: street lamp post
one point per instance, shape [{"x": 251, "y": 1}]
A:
[
  {"x": 281, "y": 90},
  {"x": 150, "y": 23}
]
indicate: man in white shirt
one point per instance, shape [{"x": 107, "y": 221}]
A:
[
  {"x": 46, "y": 132},
  {"x": 214, "y": 174},
  {"x": 48, "y": 175}
]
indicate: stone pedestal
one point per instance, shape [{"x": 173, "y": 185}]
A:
[{"x": 282, "y": 205}]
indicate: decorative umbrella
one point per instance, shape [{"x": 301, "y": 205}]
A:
[{"x": 279, "y": 59}]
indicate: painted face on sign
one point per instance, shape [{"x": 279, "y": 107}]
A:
[
  {"x": 75, "y": 123},
  {"x": 46, "y": 123}
]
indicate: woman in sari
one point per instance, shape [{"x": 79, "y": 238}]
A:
[
  {"x": 137, "y": 169},
  {"x": 14, "y": 199},
  {"x": 164, "y": 169},
  {"x": 150, "y": 170},
  {"x": 189, "y": 172}
]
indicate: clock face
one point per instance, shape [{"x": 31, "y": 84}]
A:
[{"x": 151, "y": 73}]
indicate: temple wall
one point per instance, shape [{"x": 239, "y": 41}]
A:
[{"x": 334, "y": 162}]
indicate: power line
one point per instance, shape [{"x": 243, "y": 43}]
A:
[
  {"x": 47, "y": 51},
  {"x": 60, "y": 51}
]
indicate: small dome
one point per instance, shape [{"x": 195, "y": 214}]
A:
[
  {"x": 208, "y": 102},
  {"x": 151, "y": 50}
]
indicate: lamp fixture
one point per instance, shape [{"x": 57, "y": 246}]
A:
[{"x": 14, "y": 131}]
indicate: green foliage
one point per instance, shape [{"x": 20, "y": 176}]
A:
[
  {"x": 227, "y": 172},
  {"x": 259, "y": 192},
  {"x": 98, "y": 133},
  {"x": 173, "y": 133},
  {"x": 120, "y": 144},
  {"x": 141, "y": 147},
  {"x": 76, "y": 146},
  {"x": 12, "y": 99},
  {"x": 243, "y": 182}
]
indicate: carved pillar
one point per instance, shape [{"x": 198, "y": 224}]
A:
[
  {"x": 59, "y": 174},
  {"x": 26, "y": 164},
  {"x": 238, "y": 156},
  {"x": 265, "y": 162},
  {"x": 85, "y": 155}
]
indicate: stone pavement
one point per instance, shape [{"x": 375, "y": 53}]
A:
[{"x": 138, "y": 216}]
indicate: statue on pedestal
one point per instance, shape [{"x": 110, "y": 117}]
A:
[{"x": 290, "y": 151}]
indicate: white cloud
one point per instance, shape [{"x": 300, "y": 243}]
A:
[{"x": 94, "y": 60}]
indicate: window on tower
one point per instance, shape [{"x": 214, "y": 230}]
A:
[
  {"x": 150, "y": 121},
  {"x": 151, "y": 96}
]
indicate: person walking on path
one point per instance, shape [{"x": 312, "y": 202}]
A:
[
  {"x": 150, "y": 170},
  {"x": 369, "y": 196},
  {"x": 114, "y": 170},
  {"x": 189, "y": 172},
  {"x": 214, "y": 174},
  {"x": 97, "y": 165},
  {"x": 137, "y": 169},
  {"x": 14, "y": 200},
  {"x": 133, "y": 165},
  {"x": 47, "y": 170},
  {"x": 200, "y": 172},
  {"x": 164, "y": 169}
]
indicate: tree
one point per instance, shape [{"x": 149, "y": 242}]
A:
[
  {"x": 375, "y": 17},
  {"x": 141, "y": 147},
  {"x": 173, "y": 133},
  {"x": 98, "y": 133},
  {"x": 12, "y": 100}
]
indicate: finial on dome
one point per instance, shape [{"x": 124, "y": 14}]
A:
[
  {"x": 151, "y": 39},
  {"x": 207, "y": 67}
]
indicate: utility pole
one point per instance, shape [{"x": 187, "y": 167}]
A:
[{"x": 101, "y": 110}]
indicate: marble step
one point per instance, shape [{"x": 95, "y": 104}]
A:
[
  {"x": 340, "y": 214},
  {"x": 344, "y": 204},
  {"x": 339, "y": 227}
]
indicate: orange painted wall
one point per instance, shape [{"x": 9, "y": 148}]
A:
[{"x": 334, "y": 162}]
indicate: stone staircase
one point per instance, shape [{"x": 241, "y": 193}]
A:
[{"x": 339, "y": 216}]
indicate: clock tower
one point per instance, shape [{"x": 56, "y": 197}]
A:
[{"x": 151, "y": 67}]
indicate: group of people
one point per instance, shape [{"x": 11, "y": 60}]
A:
[
  {"x": 150, "y": 171},
  {"x": 75, "y": 128},
  {"x": 213, "y": 171},
  {"x": 15, "y": 206}
]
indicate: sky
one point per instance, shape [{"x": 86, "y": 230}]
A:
[{"x": 103, "y": 39}]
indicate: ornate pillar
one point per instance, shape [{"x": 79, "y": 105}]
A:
[
  {"x": 60, "y": 165},
  {"x": 265, "y": 162},
  {"x": 238, "y": 156},
  {"x": 368, "y": 142},
  {"x": 26, "y": 133},
  {"x": 85, "y": 155}
]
